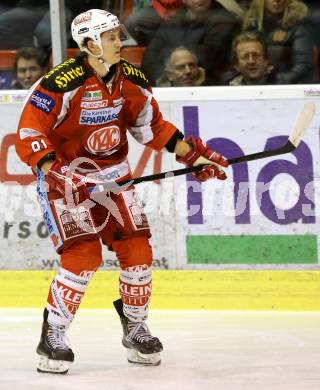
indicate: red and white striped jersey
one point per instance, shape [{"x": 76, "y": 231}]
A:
[{"x": 73, "y": 112}]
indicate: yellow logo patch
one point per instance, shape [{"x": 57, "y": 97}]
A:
[
  {"x": 130, "y": 70},
  {"x": 65, "y": 73},
  {"x": 66, "y": 77},
  {"x": 58, "y": 67}
]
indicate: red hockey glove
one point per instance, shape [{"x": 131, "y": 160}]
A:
[
  {"x": 67, "y": 184},
  {"x": 202, "y": 154}
]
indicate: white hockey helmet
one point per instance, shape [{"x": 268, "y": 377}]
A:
[{"x": 91, "y": 24}]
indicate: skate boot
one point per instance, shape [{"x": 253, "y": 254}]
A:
[
  {"x": 53, "y": 348},
  {"x": 142, "y": 347}
]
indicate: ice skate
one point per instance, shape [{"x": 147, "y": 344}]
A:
[
  {"x": 142, "y": 347},
  {"x": 53, "y": 348}
]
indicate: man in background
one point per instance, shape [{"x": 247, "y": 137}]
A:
[
  {"x": 251, "y": 61},
  {"x": 206, "y": 27},
  {"x": 182, "y": 70},
  {"x": 30, "y": 64}
]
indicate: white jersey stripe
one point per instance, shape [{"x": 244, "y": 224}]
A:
[
  {"x": 142, "y": 131},
  {"x": 67, "y": 96}
]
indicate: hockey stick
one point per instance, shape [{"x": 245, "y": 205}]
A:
[{"x": 304, "y": 119}]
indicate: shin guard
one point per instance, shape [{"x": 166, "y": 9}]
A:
[
  {"x": 135, "y": 290},
  {"x": 65, "y": 295}
]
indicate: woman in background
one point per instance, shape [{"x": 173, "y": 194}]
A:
[{"x": 289, "y": 41}]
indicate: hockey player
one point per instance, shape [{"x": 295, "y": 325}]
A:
[{"x": 80, "y": 111}]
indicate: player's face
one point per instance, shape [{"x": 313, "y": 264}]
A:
[
  {"x": 275, "y": 7},
  {"x": 184, "y": 69},
  {"x": 28, "y": 72},
  {"x": 251, "y": 61},
  {"x": 111, "y": 45}
]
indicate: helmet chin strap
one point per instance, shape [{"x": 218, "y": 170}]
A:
[
  {"x": 104, "y": 63},
  {"x": 100, "y": 58}
]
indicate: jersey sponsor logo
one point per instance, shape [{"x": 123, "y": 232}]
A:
[
  {"x": 42, "y": 101},
  {"x": 69, "y": 295},
  {"x": 117, "y": 102},
  {"x": 103, "y": 139},
  {"x": 92, "y": 95},
  {"x": 55, "y": 239},
  {"x": 109, "y": 176},
  {"x": 64, "y": 169},
  {"x": 74, "y": 279},
  {"x": 47, "y": 218},
  {"x": 135, "y": 291},
  {"x": 97, "y": 104},
  {"x": 97, "y": 117},
  {"x": 130, "y": 70},
  {"x": 138, "y": 268},
  {"x": 76, "y": 224},
  {"x": 46, "y": 211},
  {"x": 65, "y": 78},
  {"x": 91, "y": 86},
  {"x": 109, "y": 173},
  {"x": 87, "y": 275},
  {"x": 58, "y": 67},
  {"x": 43, "y": 200}
]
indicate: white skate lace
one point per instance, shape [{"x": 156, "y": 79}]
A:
[
  {"x": 57, "y": 338},
  {"x": 139, "y": 332}
]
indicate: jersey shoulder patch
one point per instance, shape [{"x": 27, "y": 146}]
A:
[
  {"x": 67, "y": 76},
  {"x": 134, "y": 74}
]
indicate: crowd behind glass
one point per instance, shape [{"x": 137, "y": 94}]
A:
[{"x": 185, "y": 43}]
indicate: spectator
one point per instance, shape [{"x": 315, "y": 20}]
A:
[
  {"x": 27, "y": 22},
  {"x": 289, "y": 41},
  {"x": 143, "y": 23},
  {"x": 206, "y": 27},
  {"x": 18, "y": 23},
  {"x": 313, "y": 20},
  {"x": 251, "y": 62},
  {"x": 6, "y": 5},
  {"x": 182, "y": 70},
  {"x": 30, "y": 64}
]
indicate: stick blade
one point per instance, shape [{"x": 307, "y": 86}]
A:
[{"x": 303, "y": 122}]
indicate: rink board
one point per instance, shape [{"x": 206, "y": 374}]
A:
[
  {"x": 236, "y": 224},
  {"x": 179, "y": 290}
]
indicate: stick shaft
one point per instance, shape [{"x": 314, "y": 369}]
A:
[
  {"x": 288, "y": 147},
  {"x": 302, "y": 123}
]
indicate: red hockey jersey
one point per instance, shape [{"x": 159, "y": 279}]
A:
[{"x": 73, "y": 112}]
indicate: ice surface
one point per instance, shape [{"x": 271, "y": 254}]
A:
[{"x": 203, "y": 350}]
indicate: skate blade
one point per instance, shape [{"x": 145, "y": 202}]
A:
[
  {"x": 135, "y": 357},
  {"x": 51, "y": 366}
]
